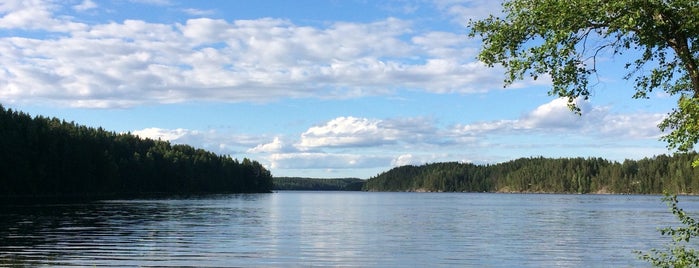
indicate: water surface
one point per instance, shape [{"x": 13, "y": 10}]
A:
[{"x": 349, "y": 229}]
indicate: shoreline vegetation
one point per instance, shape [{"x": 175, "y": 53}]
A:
[
  {"x": 655, "y": 175},
  {"x": 316, "y": 184},
  {"x": 50, "y": 159}
]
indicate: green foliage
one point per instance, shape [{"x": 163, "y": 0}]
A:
[
  {"x": 44, "y": 157},
  {"x": 311, "y": 184},
  {"x": 564, "y": 39},
  {"x": 562, "y": 175},
  {"x": 684, "y": 120},
  {"x": 678, "y": 253}
]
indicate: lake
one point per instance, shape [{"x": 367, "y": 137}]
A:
[{"x": 348, "y": 229}]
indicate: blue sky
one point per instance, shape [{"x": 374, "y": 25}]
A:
[{"x": 308, "y": 88}]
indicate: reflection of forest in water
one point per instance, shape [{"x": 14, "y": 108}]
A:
[
  {"x": 89, "y": 233},
  {"x": 352, "y": 229}
]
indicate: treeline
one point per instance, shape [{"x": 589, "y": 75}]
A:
[
  {"x": 45, "y": 157},
  {"x": 312, "y": 184},
  {"x": 661, "y": 173}
]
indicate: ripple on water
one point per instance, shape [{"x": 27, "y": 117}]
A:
[{"x": 338, "y": 229}]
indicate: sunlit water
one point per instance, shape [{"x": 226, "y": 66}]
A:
[{"x": 348, "y": 229}]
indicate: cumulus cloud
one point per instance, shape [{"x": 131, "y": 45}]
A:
[
  {"x": 445, "y": 45},
  {"x": 347, "y": 131},
  {"x": 325, "y": 146},
  {"x": 35, "y": 15},
  {"x": 134, "y": 62},
  {"x": 367, "y": 132},
  {"x": 412, "y": 141},
  {"x": 276, "y": 146},
  {"x": 163, "y": 134},
  {"x": 403, "y": 160},
  {"x": 487, "y": 127},
  {"x": 378, "y": 144},
  {"x": 640, "y": 125},
  {"x": 557, "y": 116}
]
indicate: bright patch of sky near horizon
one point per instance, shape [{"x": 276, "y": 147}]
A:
[{"x": 308, "y": 88}]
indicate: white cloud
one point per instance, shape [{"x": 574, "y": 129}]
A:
[
  {"x": 163, "y": 134},
  {"x": 213, "y": 140},
  {"x": 555, "y": 116},
  {"x": 85, "y": 5},
  {"x": 326, "y": 161},
  {"x": 349, "y": 132},
  {"x": 422, "y": 158},
  {"x": 371, "y": 144},
  {"x": 446, "y": 45},
  {"x": 325, "y": 146},
  {"x": 198, "y": 12},
  {"x": 366, "y": 132},
  {"x": 403, "y": 160},
  {"x": 276, "y": 146},
  {"x": 59, "y": 60},
  {"x": 639, "y": 125},
  {"x": 34, "y": 15},
  {"x": 133, "y": 62},
  {"x": 487, "y": 127}
]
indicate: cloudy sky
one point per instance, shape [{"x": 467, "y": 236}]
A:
[{"x": 308, "y": 88}]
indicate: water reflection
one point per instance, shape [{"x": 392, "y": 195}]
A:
[
  {"x": 338, "y": 229},
  {"x": 127, "y": 232}
]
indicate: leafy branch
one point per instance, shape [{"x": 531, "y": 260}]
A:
[{"x": 678, "y": 253}]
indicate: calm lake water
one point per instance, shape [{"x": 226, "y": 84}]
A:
[{"x": 348, "y": 229}]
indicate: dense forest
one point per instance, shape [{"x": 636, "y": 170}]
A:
[
  {"x": 311, "y": 184},
  {"x": 673, "y": 174},
  {"x": 48, "y": 157}
]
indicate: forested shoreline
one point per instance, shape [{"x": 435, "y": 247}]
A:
[
  {"x": 48, "y": 157},
  {"x": 662, "y": 173},
  {"x": 315, "y": 184}
]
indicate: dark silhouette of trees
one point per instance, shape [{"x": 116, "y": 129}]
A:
[
  {"x": 538, "y": 174},
  {"x": 312, "y": 184},
  {"x": 48, "y": 157}
]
